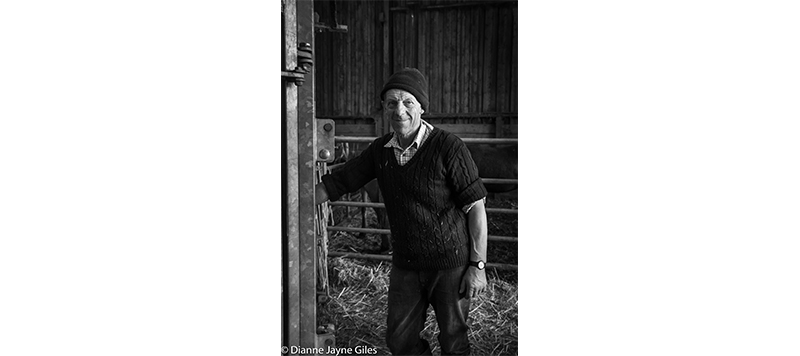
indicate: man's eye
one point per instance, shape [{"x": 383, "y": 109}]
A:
[{"x": 408, "y": 103}]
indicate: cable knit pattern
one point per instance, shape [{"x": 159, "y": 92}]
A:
[{"x": 423, "y": 198}]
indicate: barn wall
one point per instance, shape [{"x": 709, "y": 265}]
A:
[
  {"x": 468, "y": 53},
  {"x": 349, "y": 64}
]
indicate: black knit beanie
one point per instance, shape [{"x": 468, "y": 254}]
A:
[{"x": 410, "y": 80}]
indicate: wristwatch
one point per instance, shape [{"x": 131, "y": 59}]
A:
[{"x": 480, "y": 264}]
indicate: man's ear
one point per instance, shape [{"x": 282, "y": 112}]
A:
[{"x": 421, "y": 111}]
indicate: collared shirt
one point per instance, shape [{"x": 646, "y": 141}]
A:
[{"x": 405, "y": 155}]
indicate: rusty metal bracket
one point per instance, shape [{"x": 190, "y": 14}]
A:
[
  {"x": 326, "y": 130},
  {"x": 326, "y": 336},
  {"x": 323, "y": 27}
]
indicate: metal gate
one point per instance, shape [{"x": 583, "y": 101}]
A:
[{"x": 303, "y": 242}]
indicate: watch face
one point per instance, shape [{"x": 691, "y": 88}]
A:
[{"x": 481, "y": 264}]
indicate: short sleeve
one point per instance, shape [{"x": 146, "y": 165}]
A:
[{"x": 462, "y": 174}]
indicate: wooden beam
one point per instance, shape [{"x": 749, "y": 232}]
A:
[
  {"x": 429, "y": 116},
  {"x": 388, "y": 49},
  {"x": 450, "y": 6}
]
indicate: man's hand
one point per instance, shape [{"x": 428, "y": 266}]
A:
[
  {"x": 320, "y": 194},
  {"x": 474, "y": 282}
]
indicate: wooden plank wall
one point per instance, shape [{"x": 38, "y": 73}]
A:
[
  {"x": 468, "y": 53},
  {"x": 349, "y": 64}
]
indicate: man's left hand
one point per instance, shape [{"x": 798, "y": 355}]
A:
[{"x": 474, "y": 282}]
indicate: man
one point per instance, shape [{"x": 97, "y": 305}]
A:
[{"x": 435, "y": 205}]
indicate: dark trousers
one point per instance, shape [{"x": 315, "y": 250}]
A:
[{"x": 410, "y": 293}]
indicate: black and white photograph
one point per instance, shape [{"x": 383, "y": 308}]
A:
[
  {"x": 400, "y": 177},
  {"x": 445, "y": 177}
]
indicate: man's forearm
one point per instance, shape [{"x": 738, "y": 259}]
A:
[{"x": 478, "y": 232}]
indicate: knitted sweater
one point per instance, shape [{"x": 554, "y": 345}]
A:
[{"x": 423, "y": 198}]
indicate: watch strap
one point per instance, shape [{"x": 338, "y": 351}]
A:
[{"x": 479, "y": 264}]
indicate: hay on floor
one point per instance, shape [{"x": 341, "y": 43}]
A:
[{"x": 357, "y": 308}]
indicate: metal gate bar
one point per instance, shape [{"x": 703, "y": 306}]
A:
[
  {"x": 388, "y": 232},
  {"x": 381, "y": 205},
  {"x": 501, "y": 266},
  {"x": 359, "y": 139}
]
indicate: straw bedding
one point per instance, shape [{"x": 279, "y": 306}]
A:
[{"x": 357, "y": 309}]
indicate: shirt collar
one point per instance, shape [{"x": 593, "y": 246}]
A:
[{"x": 423, "y": 130}]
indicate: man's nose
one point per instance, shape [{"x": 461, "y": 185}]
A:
[{"x": 401, "y": 109}]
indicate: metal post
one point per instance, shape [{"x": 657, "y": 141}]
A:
[
  {"x": 307, "y": 153},
  {"x": 299, "y": 240},
  {"x": 291, "y": 271}
]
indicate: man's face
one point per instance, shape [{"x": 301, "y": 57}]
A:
[{"x": 403, "y": 111}]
